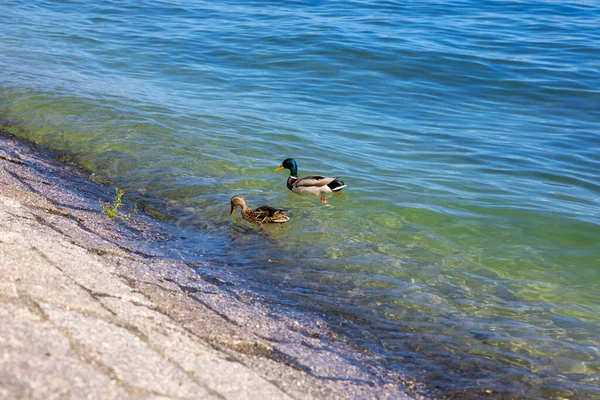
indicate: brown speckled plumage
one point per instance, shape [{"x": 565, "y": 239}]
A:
[{"x": 260, "y": 215}]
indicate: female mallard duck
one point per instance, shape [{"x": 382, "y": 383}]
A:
[
  {"x": 314, "y": 184},
  {"x": 261, "y": 215}
]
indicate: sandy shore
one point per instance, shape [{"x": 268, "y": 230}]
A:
[{"x": 94, "y": 308}]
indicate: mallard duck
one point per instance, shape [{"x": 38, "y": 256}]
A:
[
  {"x": 261, "y": 215},
  {"x": 314, "y": 184}
]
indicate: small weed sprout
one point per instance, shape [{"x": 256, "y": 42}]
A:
[{"x": 111, "y": 209}]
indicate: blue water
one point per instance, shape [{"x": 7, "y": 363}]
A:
[{"x": 465, "y": 249}]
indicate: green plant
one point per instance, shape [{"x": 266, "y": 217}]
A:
[{"x": 111, "y": 209}]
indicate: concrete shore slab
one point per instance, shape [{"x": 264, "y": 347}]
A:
[{"x": 90, "y": 308}]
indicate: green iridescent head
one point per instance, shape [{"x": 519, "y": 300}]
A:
[{"x": 289, "y": 163}]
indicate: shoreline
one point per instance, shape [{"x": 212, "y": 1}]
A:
[{"x": 129, "y": 320}]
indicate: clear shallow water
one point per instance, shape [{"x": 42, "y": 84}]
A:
[{"x": 466, "y": 247}]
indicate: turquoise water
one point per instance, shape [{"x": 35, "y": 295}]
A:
[{"x": 465, "y": 250}]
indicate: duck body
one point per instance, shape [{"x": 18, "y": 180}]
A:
[
  {"x": 314, "y": 184},
  {"x": 260, "y": 215}
]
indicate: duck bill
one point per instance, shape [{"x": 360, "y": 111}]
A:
[
  {"x": 232, "y": 209},
  {"x": 278, "y": 168}
]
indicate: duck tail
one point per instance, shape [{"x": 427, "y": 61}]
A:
[{"x": 336, "y": 185}]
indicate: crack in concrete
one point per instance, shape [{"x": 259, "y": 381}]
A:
[
  {"x": 93, "y": 295},
  {"x": 12, "y": 160},
  {"x": 131, "y": 328},
  {"x": 84, "y": 353}
]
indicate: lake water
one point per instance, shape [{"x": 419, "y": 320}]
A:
[{"x": 465, "y": 250}]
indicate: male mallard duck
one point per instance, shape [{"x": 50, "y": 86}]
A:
[
  {"x": 261, "y": 215},
  {"x": 314, "y": 184}
]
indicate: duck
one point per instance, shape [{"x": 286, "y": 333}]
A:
[
  {"x": 315, "y": 184},
  {"x": 261, "y": 215}
]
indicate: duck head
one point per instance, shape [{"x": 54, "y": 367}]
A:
[
  {"x": 289, "y": 163},
  {"x": 237, "y": 201}
]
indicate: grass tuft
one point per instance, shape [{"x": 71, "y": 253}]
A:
[{"x": 111, "y": 210}]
